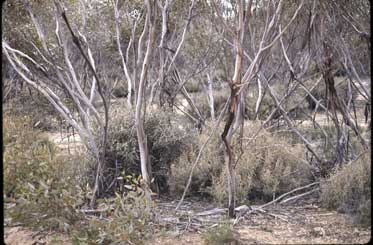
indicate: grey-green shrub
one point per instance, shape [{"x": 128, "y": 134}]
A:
[
  {"x": 167, "y": 137},
  {"x": 348, "y": 189}
]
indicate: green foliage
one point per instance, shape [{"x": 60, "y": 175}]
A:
[
  {"x": 210, "y": 164},
  {"x": 222, "y": 234},
  {"x": 46, "y": 191},
  {"x": 348, "y": 189},
  {"x": 37, "y": 192},
  {"x": 166, "y": 141},
  {"x": 124, "y": 219},
  {"x": 271, "y": 165}
]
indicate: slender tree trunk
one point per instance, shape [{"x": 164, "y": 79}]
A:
[
  {"x": 139, "y": 121},
  {"x": 210, "y": 97}
]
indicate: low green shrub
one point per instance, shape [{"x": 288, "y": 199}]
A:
[
  {"x": 47, "y": 191},
  {"x": 348, "y": 189},
  {"x": 37, "y": 191},
  {"x": 222, "y": 234}
]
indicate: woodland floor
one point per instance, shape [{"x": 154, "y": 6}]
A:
[{"x": 301, "y": 222}]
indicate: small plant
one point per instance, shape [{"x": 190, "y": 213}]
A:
[{"x": 222, "y": 234}]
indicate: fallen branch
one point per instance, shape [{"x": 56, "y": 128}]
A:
[
  {"x": 288, "y": 193},
  {"x": 93, "y": 211},
  {"x": 212, "y": 212},
  {"x": 298, "y": 196}
]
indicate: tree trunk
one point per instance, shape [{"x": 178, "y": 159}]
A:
[{"x": 146, "y": 170}]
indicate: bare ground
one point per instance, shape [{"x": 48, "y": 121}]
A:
[{"x": 301, "y": 222}]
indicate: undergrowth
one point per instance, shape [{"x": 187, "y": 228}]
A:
[
  {"x": 348, "y": 189},
  {"x": 268, "y": 166},
  {"x": 47, "y": 191}
]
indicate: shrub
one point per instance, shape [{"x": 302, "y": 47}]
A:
[
  {"x": 201, "y": 101},
  {"x": 45, "y": 191},
  {"x": 210, "y": 164},
  {"x": 37, "y": 192},
  {"x": 222, "y": 234},
  {"x": 348, "y": 189},
  {"x": 192, "y": 87},
  {"x": 270, "y": 166},
  {"x": 166, "y": 139}
]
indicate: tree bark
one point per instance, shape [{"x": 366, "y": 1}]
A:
[{"x": 139, "y": 121}]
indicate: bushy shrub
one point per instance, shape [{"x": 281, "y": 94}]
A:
[
  {"x": 210, "y": 164},
  {"x": 39, "y": 110},
  {"x": 166, "y": 138},
  {"x": 37, "y": 193},
  {"x": 45, "y": 191},
  {"x": 269, "y": 166},
  {"x": 348, "y": 189},
  {"x": 125, "y": 219},
  {"x": 222, "y": 234},
  {"x": 220, "y": 98}
]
